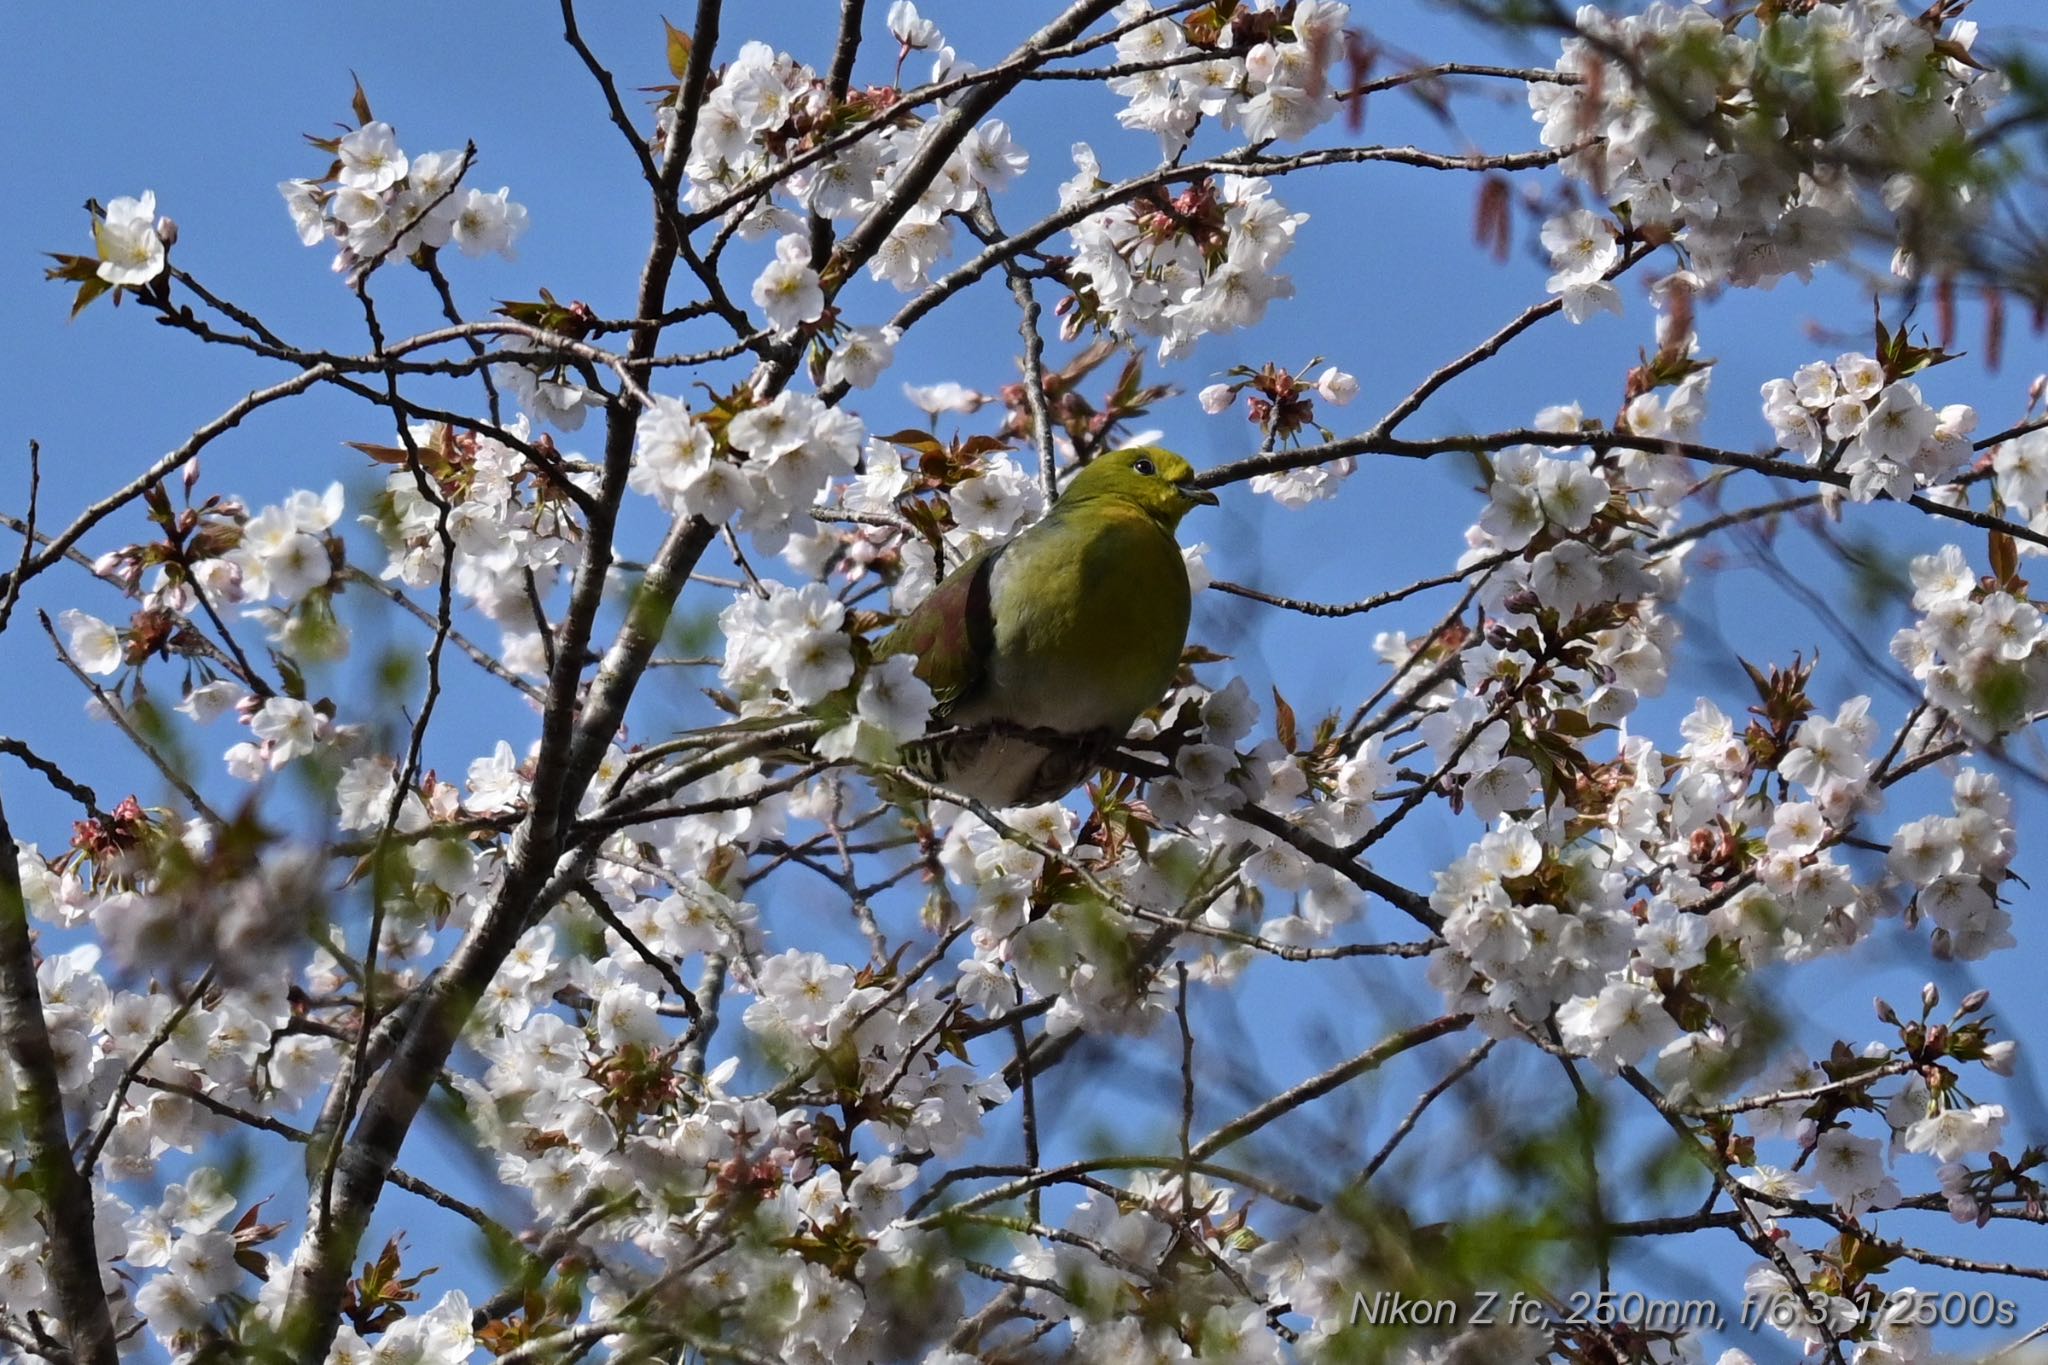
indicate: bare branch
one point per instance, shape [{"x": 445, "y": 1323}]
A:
[
  {"x": 1813, "y": 1092},
  {"x": 1315, "y": 1087},
  {"x": 19, "y": 577},
  {"x": 1377, "y": 600},
  {"x": 177, "y": 459},
  {"x": 1464, "y": 1068},
  {"x": 55, "y": 776}
]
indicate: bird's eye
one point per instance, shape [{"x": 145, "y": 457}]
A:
[{"x": 1144, "y": 467}]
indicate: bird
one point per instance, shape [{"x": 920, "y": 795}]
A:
[{"x": 1041, "y": 651}]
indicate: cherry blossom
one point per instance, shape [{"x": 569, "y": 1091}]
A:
[{"x": 617, "y": 865}]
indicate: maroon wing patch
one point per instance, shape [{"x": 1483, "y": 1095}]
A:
[{"x": 952, "y": 632}]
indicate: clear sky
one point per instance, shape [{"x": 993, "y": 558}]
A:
[{"x": 206, "y": 104}]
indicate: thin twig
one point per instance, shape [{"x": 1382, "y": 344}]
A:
[
  {"x": 1465, "y": 1067},
  {"x": 112, "y": 1113},
  {"x": 19, "y": 577},
  {"x": 116, "y": 712},
  {"x": 1315, "y": 1087}
]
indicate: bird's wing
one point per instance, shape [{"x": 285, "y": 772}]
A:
[{"x": 952, "y": 633}]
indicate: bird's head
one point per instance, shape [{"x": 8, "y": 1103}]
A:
[{"x": 1157, "y": 480}]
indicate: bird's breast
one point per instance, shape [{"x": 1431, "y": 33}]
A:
[{"x": 1091, "y": 615}]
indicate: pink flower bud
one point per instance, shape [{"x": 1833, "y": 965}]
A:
[{"x": 1215, "y": 398}]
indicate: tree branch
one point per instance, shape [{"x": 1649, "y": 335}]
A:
[{"x": 72, "y": 1256}]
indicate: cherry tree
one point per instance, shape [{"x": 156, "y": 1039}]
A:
[{"x": 756, "y": 1044}]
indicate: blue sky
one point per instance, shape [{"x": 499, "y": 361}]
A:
[{"x": 206, "y": 105}]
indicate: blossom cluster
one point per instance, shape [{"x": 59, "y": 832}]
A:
[
  {"x": 1882, "y": 433},
  {"x": 1082, "y": 954},
  {"x": 1283, "y": 404},
  {"x": 278, "y": 565},
  {"x": 173, "y": 1259},
  {"x": 477, "y": 509},
  {"x": 377, "y": 201},
  {"x": 286, "y": 554},
  {"x": 605, "y": 1115},
  {"x": 1266, "y": 74},
  {"x": 1975, "y": 647},
  {"x": 1756, "y": 145},
  {"x": 767, "y": 108},
  {"x": 767, "y": 464},
  {"x": 1927, "y": 1116},
  {"x": 1177, "y": 267},
  {"x": 1139, "y": 1221},
  {"x": 1583, "y": 251},
  {"x": 792, "y": 639},
  {"x": 990, "y": 501},
  {"x": 793, "y": 643},
  {"x": 1530, "y": 925}
]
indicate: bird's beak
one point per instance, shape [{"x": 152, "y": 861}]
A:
[{"x": 1194, "y": 494}]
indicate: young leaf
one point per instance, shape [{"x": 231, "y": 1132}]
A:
[
  {"x": 678, "y": 50},
  {"x": 1283, "y": 721},
  {"x": 2005, "y": 559}
]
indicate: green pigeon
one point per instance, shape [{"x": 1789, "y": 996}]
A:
[{"x": 1071, "y": 629}]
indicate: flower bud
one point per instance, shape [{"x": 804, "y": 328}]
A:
[
  {"x": 1885, "y": 1013},
  {"x": 1975, "y": 1000},
  {"x": 1215, "y": 398},
  {"x": 1930, "y": 996},
  {"x": 1336, "y": 386}
]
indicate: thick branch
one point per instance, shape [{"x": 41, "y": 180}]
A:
[
  {"x": 72, "y": 1257},
  {"x": 445, "y": 1003}
]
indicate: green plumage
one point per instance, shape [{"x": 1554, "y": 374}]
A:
[{"x": 1070, "y": 629}]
